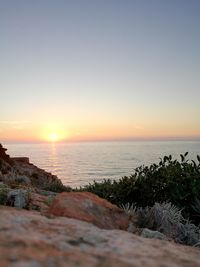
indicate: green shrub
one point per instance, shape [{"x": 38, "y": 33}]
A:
[
  {"x": 170, "y": 180},
  {"x": 56, "y": 186},
  {"x": 3, "y": 194}
]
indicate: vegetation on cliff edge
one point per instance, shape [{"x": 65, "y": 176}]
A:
[{"x": 171, "y": 180}]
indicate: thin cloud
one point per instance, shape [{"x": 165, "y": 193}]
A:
[
  {"x": 13, "y": 122},
  {"x": 138, "y": 127},
  {"x": 17, "y": 127}
]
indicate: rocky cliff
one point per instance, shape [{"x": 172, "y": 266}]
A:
[{"x": 19, "y": 170}]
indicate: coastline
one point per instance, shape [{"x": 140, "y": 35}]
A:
[{"x": 78, "y": 164}]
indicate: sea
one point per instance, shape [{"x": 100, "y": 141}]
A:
[{"x": 80, "y": 163}]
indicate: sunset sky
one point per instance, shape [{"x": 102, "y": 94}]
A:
[{"x": 99, "y": 70}]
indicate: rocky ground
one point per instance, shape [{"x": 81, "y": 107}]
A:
[
  {"x": 29, "y": 239},
  {"x": 39, "y": 227}
]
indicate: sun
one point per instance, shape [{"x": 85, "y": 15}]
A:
[
  {"x": 53, "y": 133},
  {"x": 54, "y": 137}
]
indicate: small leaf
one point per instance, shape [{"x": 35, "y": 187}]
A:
[
  {"x": 182, "y": 157},
  {"x": 194, "y": 164},
  {"x": 186, "y": 153},
  {"x": 165, "y": 159},
  {"x": 198, "y": 157}
]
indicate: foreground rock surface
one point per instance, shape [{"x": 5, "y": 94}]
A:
[
  {"x": 88, "y": 207},
  {"x": 29, "y": 239}
]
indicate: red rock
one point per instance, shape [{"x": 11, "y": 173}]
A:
[
  {"x": 38, "y": 202},
  {"x": 88, "y": 207}
]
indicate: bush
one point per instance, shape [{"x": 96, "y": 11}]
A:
[
  {"x": 170, "y": 180},
  {"x": 56, "y": 186},
  {"x": 3, "y": 193},
  {"x": 3, "y": 196}
]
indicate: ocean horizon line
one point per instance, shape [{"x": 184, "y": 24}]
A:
[{"x": 177, "y": 139}]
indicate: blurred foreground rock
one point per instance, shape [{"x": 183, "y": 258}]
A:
[
  {"x": 153, "y": 234},
  {"x": 29, "y": 239},
  {"x": 88, "y": 207}
]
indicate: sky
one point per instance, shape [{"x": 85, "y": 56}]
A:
[{"x": 99, "y": 70}]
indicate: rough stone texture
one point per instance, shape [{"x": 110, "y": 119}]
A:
[
  {"x": 28, "y": 239},
  {"x": 39, "y": 202},
  {"x": 23, "y": 179},
  {"x": 21, "y": 159},
  {"x": 29, "y": 198},
  {"x": 88, "y": 207},
  {"x": 17, "y": 198},
  {"x": 153, "y": 234}
]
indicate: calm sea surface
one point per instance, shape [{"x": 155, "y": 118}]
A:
[{"x": 77, "y": 164}]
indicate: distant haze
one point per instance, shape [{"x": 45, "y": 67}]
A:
[{"x": 99, "y": 70}]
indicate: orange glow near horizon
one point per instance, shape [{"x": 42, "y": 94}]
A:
[{"x": 59, "y": 132}]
